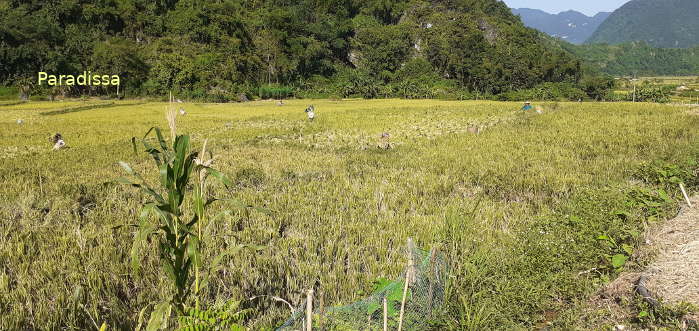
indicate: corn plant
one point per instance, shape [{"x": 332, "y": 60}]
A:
[{"x": 165, "y": 219}]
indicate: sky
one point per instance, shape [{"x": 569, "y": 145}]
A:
[{"x": 588, "y": 7}]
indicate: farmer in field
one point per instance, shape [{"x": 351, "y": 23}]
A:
[
  {"x": 527, "y": 106},
  {"x": 310, "y": 111},
  {"x": 57, "y": 141}
]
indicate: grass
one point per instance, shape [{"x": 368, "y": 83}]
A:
[{"x": 549, "y": 185}]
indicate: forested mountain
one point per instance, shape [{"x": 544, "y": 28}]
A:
[
  {"x": 206, "y": 49},
  {"x": 639, "y": 59},
  {"x": 571, "y": 26},
  {"x": 666, "y": 23}
]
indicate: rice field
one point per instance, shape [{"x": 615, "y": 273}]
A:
[{"x": 518, "y": 209}]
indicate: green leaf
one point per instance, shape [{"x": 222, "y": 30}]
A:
[
  {"x": 124, "y": 180},
  {"x": 373, "y": 307},
  {"x": 396, "y": 293},
  {"x": 163, "y": 170},
  {"x": 181, "y": 146},
  {"x": 170, "y": 270},
  {"x": 159, "y": 317},
  {"x": 140, "y": 317},
  {"x": 619, "y": 260},
  {"x": 193, "y": 250},
  {"x": 381, "y": 283},
  {"x": 161, "y": 140},
  {"x": 627, "y": 249}
]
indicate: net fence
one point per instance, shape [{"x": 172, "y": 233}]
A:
[{"x": 426, "y": 276}]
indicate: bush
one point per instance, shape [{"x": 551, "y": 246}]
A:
[
  {"x": 545, "y": 92},
  {"x": 596, "y": 87},
  {"x": 616, "y": 97},
  {"x": 9, "y": 93},
  {"x": 651, "y": 94},
  {"x": 275, "y": 92}
]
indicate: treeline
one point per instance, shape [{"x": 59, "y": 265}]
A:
[
  {"x": 229, "y": 50},
  {"x": 639, "y": 59}
]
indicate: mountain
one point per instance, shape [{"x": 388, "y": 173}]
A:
[
  {"x": 666, "y": 23},
  {"x": 571, "y": 26}
]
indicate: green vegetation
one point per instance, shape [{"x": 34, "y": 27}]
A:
[
  {"x": 222, "y": 50},
  {"x": 519, "y": 210},
  {"x": 667, "y": 23},
  {"x": 656, "y": 89},
  {"x": 638, "y": 59},
  {"x": 8, "y": 93}
]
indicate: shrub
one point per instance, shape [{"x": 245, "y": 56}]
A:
[
  {"x": 596, "y": 87},
  {"x": 651, "y": 94},
  {"x": 275, "y": 92},
  {"x": 8, "y": 93},
  {"x": 545, "y": 92}
]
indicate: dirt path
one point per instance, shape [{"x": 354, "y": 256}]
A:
[{"x": 674, "y": 274}]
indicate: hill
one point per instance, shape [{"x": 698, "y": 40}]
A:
[
  {"x": 571, "y": 26},
  {"x": 638, "y": 59},
  {"x": 216, "y": 51},
  {"x": 668, "y": 23}
]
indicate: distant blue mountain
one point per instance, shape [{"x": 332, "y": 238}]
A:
[{"x": 571, "y": 26}]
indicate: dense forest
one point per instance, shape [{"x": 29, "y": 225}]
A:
[
  {"x": 231, "y": 49},
  {"x": 639, "y": 59}
]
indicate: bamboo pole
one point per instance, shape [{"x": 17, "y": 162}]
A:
[
  {"x": 385, "y": 314},
  {"x": 686, "y": 197},
  {"x": 309, "y": 310},
  {"x": 408, "y": 279}
]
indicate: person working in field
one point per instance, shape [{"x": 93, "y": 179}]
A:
[
  {"x": 527, "y": 106},
  {"x": 57, "y": 141},
  {"x": 310, "y": 111}
]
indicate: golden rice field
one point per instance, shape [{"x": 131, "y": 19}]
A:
[{"x": 518, "y": 209}]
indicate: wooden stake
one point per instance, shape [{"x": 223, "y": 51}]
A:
[
  {"x": 408, "y": 279},
  {"x": 385, "y": 314},
  {"x": 309, "y": 310},
  {"x": 686, "y": 197}
]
